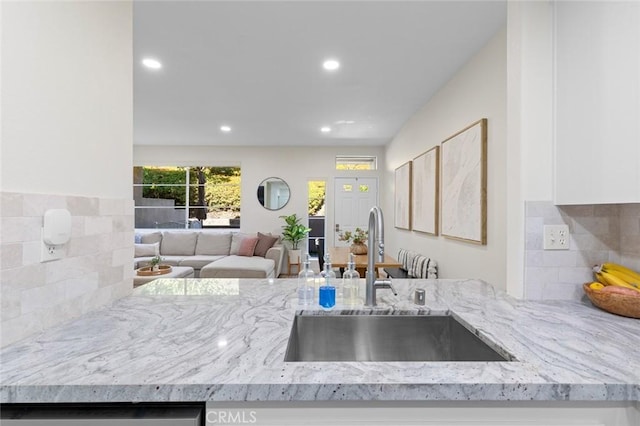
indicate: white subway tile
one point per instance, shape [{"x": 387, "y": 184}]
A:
[
  {"x": 111, "y": 207},
  {"x": 31, "y": 252},
  {"x": 578, "y": 210},
  {"x": 69, "y": 267},
  {"x": 534, "y": 241},
  {"x": 575, "y": 275},
  {"x": 630, "y": 224},
  {"x": 533, "y": 258},
  {"x": 556, "y": 291},
  {"x": 20, "y": 327},
  {"x": 20, "y": 229},
  {"x": 39, "y": 298},
  {"x": 10, "y": 204},
  {"x": 534, "y": 225},
  {"x": 75, "y": 287},
  {"x": 610, "y": 210},
  {"x": 630, "y": 243},
  {"x": 38, "y": 204},
  {"x": 588, "y": 259},
  {"x": 123, "y": 256},
  {"x": 10, "y": 255},
  {"x": 559, "y": 258},
  {"x": 23, "y": 277},
  {"x": 83, "y": 206},
  {"x": 98, "y": 225},
  {"x": 10, "y": 305},
  {"x": 591, "y": 225},
  {"x": 630, "y": 210}
]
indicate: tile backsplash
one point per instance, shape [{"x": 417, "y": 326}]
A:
[
  {"x": 96, "y": 270},
  {"x": 598, "y": 233}
]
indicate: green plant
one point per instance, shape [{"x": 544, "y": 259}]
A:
[
  {"x": 358, "y": 236},
  {"x": 155, "y": 261},
  {"x": 294, "y": 231}
]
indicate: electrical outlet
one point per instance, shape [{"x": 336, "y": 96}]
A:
[
  {"x": 51, "y": 252},
  {"x": 556, "y": 237}
]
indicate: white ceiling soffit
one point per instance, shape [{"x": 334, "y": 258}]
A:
[{"x": 257, "y": 67}]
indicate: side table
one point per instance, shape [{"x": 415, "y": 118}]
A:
[{"x": 293, "y": 264}]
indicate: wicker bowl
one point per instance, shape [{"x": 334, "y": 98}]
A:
[
  {"x": 619, "y": 304},
  {"x": 148, "y": 271}
]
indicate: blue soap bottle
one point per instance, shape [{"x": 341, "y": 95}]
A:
[{"x": 327, "y": 289}]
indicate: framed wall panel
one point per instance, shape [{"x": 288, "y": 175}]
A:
[
  {"x": 464, "y": 184},
  {"x": 403, "y": 196},
  {"x": 425, "y": 191}
]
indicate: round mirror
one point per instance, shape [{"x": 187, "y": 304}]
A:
[{"x": 273, "y": 193}]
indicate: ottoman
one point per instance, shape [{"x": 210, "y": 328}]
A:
[{"x": 176, "y": 272}]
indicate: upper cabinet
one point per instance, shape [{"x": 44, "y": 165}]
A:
[{"x": 597, "y": 102}]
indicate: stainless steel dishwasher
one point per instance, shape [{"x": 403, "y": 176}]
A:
[{"x": 100, "y": 415}]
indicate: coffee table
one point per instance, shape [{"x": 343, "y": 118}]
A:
[{"x": 176, "y": 272}]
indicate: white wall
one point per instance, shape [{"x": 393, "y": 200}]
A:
[
  {"x": 477, "y": 91},
  {"x": 67, "y": 95},
  {"x": 67, "y": 99},
  {"x": 529, "y": 130},
  {"x": 296, "y": 165}
]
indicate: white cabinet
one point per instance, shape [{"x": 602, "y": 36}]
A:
[{"x": 597, "y": 102}]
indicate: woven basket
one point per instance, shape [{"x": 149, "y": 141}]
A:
[
  {"x": 620, "y": 304},
  {"x": 147, "y": 271}
]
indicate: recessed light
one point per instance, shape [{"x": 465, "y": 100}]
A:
[
  {"x": 325, "y": 129},
  {"x": 331, "y": 65},
  {"x": 345, "y": 122},
  {"x": 225, "y": 129},
  {"x": 154, "y": 64}
]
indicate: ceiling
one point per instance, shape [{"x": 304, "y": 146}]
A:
[{"x": 257, "y": 67}]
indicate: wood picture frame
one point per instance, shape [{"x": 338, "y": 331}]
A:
[
  {"x": 402, "y": 196},
  {"x": 463, "y": 214},
  {"x": 425, "y": 191}
]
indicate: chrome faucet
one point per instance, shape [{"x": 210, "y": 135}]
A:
[{"x": 375, "y": 249}]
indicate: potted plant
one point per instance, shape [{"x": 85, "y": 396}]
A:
[
  {"x": 294, "y": 232},
  {"x": 357, "y": 238},
  {"x": 154, "y": 262}
]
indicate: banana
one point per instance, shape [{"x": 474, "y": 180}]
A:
[
  {"x": 614, "y": 280},
  {"x": 623, "y": 273},
  {"x": 611, "y": 267}
]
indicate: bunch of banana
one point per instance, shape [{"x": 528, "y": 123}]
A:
[{"x": 613, "y": 274}]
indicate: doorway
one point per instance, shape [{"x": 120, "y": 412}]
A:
[
  {"x": 354, "y": 198},
  {"x": 317, "y": 190}
]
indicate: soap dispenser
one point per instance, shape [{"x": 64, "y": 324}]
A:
[
  {"x": 327, "y": 289},
  {"x": 306, "y": 283},
  {"x": 351, "y": 283}
]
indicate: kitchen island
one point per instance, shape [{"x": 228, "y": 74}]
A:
[{"x": 224, "y": 340}]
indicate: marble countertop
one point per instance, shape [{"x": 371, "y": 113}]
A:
[{"x": 225, "y": 340}]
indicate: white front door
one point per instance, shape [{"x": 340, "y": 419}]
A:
[{"x": 354, "y": 198}]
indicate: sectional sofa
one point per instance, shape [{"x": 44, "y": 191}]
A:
[{"x": 214, "y": 254}]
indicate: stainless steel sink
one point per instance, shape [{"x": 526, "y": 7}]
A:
[{"x": 385, "y": 338}]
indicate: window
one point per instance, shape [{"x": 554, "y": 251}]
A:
[
  {"x": 186, "y": 197},
  {"x": 356, "y": 162}
]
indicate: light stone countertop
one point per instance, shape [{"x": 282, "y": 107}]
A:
[{"x": 225, "y": 340}]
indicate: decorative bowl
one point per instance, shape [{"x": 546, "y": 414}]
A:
[
  {"x": 619, "y": 304},
  {"x": 147, "y": 271}
]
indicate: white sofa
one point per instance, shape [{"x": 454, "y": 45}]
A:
[{"x": 214, "y": 254}]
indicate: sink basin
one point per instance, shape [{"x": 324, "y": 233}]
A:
[{"x": 385, "y": 338}]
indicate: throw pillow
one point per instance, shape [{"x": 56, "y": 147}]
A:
[
  {"x": 247, "y": 246},
  {"x": 265, "y": 242},
  {"x": 236, "y": 239},
  {"x": 145, "y": 250},
  {"x": 150, "y": 238},
  {"x": 179, "y": 243}
]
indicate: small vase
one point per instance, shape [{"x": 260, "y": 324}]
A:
[
  {"x": 155, "y": 267},
  {"x": 358, "y": 248}
]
